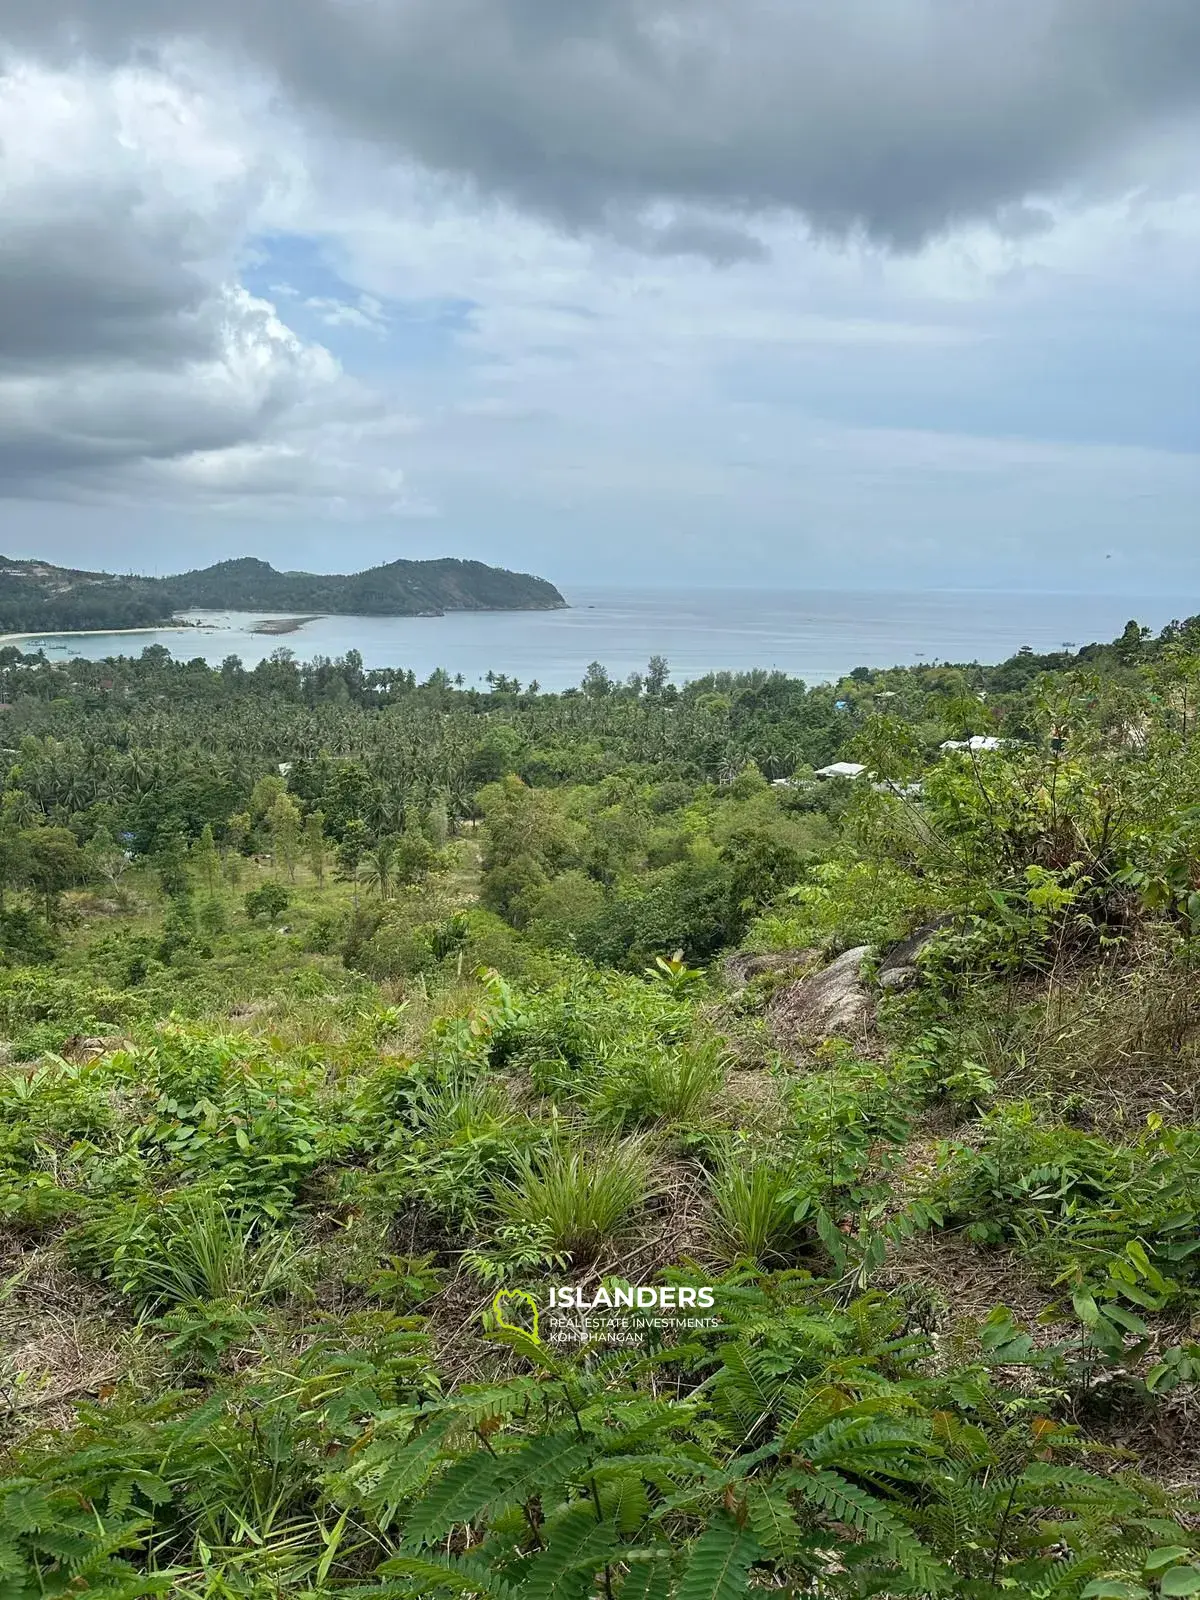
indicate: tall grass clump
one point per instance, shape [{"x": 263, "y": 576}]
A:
[
  {"x": 189, "y": 1248},
  {"x": 664, "y": 1086},
  {"x": 579, "y": 1197},
  {"x": 754, "y": 1209}
]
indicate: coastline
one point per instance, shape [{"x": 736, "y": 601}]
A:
[
  {"x": 96, "y": 633},
  {"x": 273, "y": 626}
]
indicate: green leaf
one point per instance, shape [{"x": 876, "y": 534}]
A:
[
  {"x": 847, "y": 1502},
  {"x": 1124, "y": 1319},
  {"x": 449, "y": 1572},
  {"x": 458, "y": 1496},
  {"x": 1181, "y": 1580},
  {"x": 1086, "y": 1308},
  {"x": 1113, "y": 1589},
  {"x": 649, "y": 1580},
  {"x": 773, "y": 1520},
  {"x": 1165, "y": 1556}
]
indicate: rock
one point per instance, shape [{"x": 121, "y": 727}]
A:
[
  {"x": 745, "y": 964},
  {"x": 82, "y": 1048},
  {"x": 898, "y": 979},
  {"x": 902, "y": 957},
  {"x": 835, "y": 1000}
]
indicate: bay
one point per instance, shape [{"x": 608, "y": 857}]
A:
[{"x": 817, "y": 635}]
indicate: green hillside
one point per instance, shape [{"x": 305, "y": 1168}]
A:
[{"x": 336, "y": 1005}]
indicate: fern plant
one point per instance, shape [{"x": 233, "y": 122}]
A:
[{"x": 811, "y": 1451}]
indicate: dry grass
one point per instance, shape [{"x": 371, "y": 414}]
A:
[
  {"x": 62, "y": 1341},
  {"x": 1122, "y": 1037}
]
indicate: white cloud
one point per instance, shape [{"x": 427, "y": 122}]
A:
[{"x": 132, "y": 359}]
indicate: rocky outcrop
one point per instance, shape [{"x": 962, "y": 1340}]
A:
[
  {"x": 84, "y": 1048},
  {"x": 835, "y": 1000},
  {"x": 744, "y": 965}
]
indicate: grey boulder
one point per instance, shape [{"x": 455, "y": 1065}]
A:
[{"x": 835, "y": 1000}]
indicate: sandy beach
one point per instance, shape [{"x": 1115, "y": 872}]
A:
[{"x": 97, "y": 633}]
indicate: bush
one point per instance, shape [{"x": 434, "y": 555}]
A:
[
  {"x": 192, "y": 1247},
  {"x": 270, "y": 901},
  {"x": 755, "y": 1202},
  {"x": 676, "y": 1086},
  {"x": 26, "y": 939}
]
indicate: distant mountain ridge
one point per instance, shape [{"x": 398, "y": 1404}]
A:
[{"x": 36, "y": 596}]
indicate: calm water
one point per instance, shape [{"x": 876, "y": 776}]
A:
[{"x": 814, "y": 635}]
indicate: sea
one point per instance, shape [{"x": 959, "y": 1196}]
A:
[{"x": 816, "y": 635}]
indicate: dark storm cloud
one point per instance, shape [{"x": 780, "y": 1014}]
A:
[
  {"x": 894, "y": 116},
  {"x": 83, "y": 287}
]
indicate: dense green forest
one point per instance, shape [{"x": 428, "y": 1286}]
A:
[
  {"x": 38, "y": 597},
  {"x": 336, "y": 1004}
]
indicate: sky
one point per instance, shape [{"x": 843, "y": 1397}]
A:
[{"x": 800, "y": 293}]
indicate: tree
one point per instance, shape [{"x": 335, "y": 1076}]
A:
[
  {"x": 314, "y": 844},
  {"x": 657, "y": 673},
  {"x": 105, "y": 857},
  {"x": 1129, "y": 645},
  {"x": 413, "y": 858},
  {"x": 596, "y": 681},
  {"x": 352, "y": 847},
  {"x": 170, "y": 862},
  {"x": 270, "y": 900},
  {"x": 14, "y": 857},
  {"x": 283, "y": 820},
  {"x": 377, "y": 869},
  {"x": 204, "y": 854},
  {"x": 265, "y": 793},
  {"x": 237, "y": 830},
  {"x": 54, "y": 863},
  {"x": 437, "y": 823}
]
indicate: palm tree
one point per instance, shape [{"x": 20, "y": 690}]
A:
[{"x": 377, "y": 869}]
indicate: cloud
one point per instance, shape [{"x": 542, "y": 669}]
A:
[
  {"x": 365, "y": 313},
  {"x": 626, "y": 287},
  {"x": 894, "y": 118},
  {"x": 130, "y": 353}
]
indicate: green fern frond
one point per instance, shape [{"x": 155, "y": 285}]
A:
[
  {"x": 402, "y": 1470},
  {"x": 648, "y": 1580},
  {"x": 773, "y": 1519},
  {"x": 577, "y": 1545},
  {"x": 458, "y": 1496},
  {"x": 545, "y": 1466},
  {"x": 459, "y": 1573},
  {"x": 846, "y": 1502},
  {"x": 719, "y": 1563}
]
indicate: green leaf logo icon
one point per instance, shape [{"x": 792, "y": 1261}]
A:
[{"x": 504, "y": 1306}]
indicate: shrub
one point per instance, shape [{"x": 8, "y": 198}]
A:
[
  {"x": 663, "y": 1085},
  {"x": 191, "y": 1247},
  {"x": 269, "y": 901},
  {"x": 457, "y": 1138}
]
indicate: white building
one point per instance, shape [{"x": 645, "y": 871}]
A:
[
  {"x": 842, "y": 769},
  {"x": 977, "y": 741}
]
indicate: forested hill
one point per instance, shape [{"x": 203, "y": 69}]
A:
[{"x": 37, "y": 595}]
